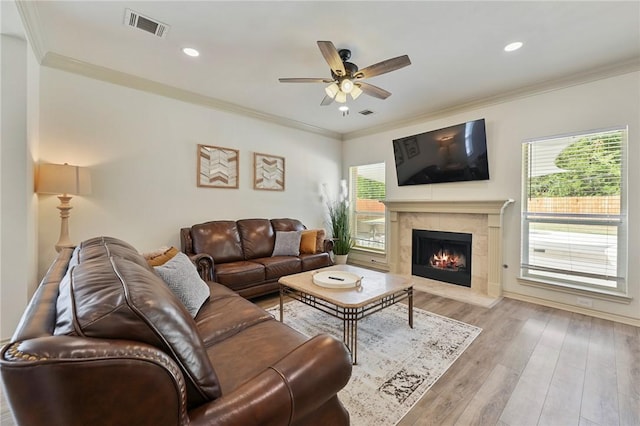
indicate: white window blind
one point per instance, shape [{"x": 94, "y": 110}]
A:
[
  {"x": 572, "y": 210},
  {"x": 367, "y": 185}
]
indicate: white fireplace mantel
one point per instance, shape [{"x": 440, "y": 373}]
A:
[{"x": 492, "y": 209}]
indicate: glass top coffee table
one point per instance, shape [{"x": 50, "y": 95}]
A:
[{"x": 377, "y": 291}]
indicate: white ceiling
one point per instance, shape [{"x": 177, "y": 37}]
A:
[{"x": 456, "y": 49}]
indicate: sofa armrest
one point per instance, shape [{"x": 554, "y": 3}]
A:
[
  {"x": 205, "y": 266},
  {"x": 287, "y": 391},
  {"x": 328, "y": 245},
  {"x": 186, "y": 243},
  {"x": 94, "y": 381}
]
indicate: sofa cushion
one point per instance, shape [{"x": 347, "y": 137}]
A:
[
  {"x": 112, "y": 297},
  {"x": 287, "y": 243},
  {"x": 315, "y": 261},
  {"x": 225, "y": 316},
  {"x": 273, "y": 338},
  {"x": 220, "y": 239},
  {"x": 287, "y": 225},
  {"x": 258, "y": 237},
  {"x": 279, "y": 266},
  {"x": 237, "y": 275},
  {"x": 180, "y": 274}
]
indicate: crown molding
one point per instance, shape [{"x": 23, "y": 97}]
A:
[
  {"x": 65, "y": 63},
  {"x": 31, "y": 21},
  {"x": 620, "y": 68}
]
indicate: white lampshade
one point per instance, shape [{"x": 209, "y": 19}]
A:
[
  {"x": 332, "y": 90},
  {"x": 341, "y": 97},
  {"x": 63, "y": 179},
  {"x": 346, "y": 85},
  {"x": 355, "y": 92}
]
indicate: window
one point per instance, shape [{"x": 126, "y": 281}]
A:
[
  {"x": 367, "y": 185},
  {"x": 573, "y": 222}
]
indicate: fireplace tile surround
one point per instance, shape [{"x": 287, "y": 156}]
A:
[{"x": 481, "y": 218}]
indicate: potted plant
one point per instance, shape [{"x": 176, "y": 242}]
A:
[{"x": 340, "y": 227}]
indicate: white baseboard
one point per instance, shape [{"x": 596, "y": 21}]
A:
[{"x": 571, "y": 308}]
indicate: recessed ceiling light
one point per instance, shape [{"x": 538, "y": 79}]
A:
[
  {"x": 513, "y": 46},
  {"x": 343, "y": 108},
  {"x": 190, "y": 51}
]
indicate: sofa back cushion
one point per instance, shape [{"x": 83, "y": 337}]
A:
[
  {"x": 258, "y": 237},
  {"x": 104, "y": 247},
  {"x": 220, "y": 239},
  {"x": 287, "y": 225},
  {"x": 116, "y": 298}
]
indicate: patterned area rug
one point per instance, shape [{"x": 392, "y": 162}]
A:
[{"x": 396, "y": 364}]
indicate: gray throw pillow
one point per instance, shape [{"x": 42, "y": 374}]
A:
[
  {"x": 287, "y": 243},
  {"x": 182, "y": 278}
]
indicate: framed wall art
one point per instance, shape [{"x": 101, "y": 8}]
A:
[
  {"x": 217, "y": 167},
  {"x": 268, "y": 172}
]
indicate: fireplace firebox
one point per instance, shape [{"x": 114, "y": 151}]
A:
[{"x": 442, "y": 256}]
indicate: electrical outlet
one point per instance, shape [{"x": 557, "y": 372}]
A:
[{"x": 583, "y": 301}]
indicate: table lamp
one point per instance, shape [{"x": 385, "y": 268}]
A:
[{"x": 64, "y": 180}]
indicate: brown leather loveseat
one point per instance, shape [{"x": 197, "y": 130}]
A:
[
  {"x": 239, "y": 254},
  {"x": 105, "y": 341}
]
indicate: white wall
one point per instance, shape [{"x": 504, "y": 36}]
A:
[
  {"x": 604, "y": 103},
  {"x": 17, "y": 207},
  {"x": 141, "y": 151}
]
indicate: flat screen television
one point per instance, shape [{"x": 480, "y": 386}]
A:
[{"x": 453, "y": 154}]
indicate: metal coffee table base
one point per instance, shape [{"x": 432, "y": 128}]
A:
[{"x": 349, "y": 315}]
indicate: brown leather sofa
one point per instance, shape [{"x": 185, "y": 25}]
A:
[
  {"x": 238, "y": 254},
  {"x": 105, "y": 342}
]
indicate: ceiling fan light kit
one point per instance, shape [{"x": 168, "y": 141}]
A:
[
  {"x": 332, "y": 90},
  {"x": 356, "y": 92},
  {"x": 341, "y": 97},
  {"x": 346, "y": 85},
  {"x": 346, "y": 77}
]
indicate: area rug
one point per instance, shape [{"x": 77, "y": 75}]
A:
[{"x": 396, "y": 364}]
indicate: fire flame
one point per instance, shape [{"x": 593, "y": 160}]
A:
[{"x": 447, "y": 260}]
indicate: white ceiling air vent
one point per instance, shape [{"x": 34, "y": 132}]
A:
[
  {"x": 144, "y": 23},
  {"x": 366, "y": 112}
]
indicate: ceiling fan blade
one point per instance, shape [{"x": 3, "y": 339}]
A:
[
  {"x": 327, "y": 100},
  {"x": 384, "y": 67},
  {"x": 332, "y": 57},
  {"x": 374, "y": 91},
  {"x": 305, "y": 80}
]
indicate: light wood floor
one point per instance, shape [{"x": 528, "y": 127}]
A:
[{"x": 531, "y": 365}]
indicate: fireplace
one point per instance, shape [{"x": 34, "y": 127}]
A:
[
  {"x": 482, "y": 219},
  {"x": 442, "y": 256}
]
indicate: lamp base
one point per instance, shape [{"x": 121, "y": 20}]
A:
[{"x": 64, "y": 207}]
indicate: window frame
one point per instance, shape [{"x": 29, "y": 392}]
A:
[
  {"x": 620, "y": 221},
  {"x": 354, "y": 213}
]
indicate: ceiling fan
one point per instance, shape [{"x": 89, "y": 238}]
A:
[{"x": 346, "y": 78}]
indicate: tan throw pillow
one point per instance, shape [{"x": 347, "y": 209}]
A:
[
  {"x": 308, "y": 244},
  {"x": 320, "y": 237},
  {"x": 161, "y": 256}
]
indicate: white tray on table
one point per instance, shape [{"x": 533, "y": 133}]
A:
[{"x": 336, "y": 279}]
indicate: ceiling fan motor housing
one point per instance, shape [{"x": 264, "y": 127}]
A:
[{"x": 350, "y": 70}]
